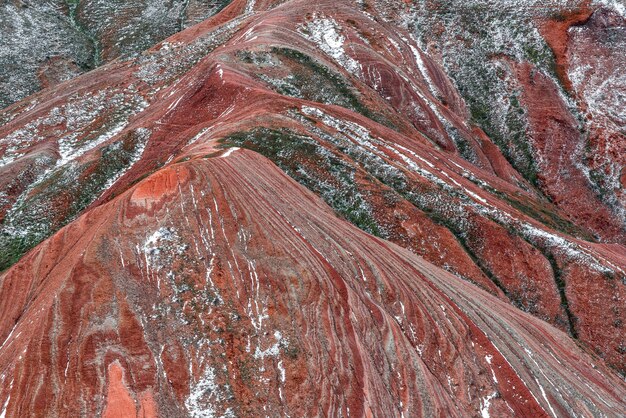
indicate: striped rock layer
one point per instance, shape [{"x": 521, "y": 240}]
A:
[{"x": 291, "y": 209}]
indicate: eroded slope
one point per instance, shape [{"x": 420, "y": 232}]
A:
[
  {"x": 345, "y": 102},
  {"x": 219, "y": 286}
]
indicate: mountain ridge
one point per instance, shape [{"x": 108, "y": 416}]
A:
[{"x": 253, "y": 107}]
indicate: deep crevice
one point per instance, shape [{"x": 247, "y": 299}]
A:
[
  {"x": 181, "y": 16},
  {"x": 477, "y": 261},
  {"x": 73, "y": 10},
  {"x": 560, "y": 284}
]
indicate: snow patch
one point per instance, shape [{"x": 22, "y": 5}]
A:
[
  {"x": 326, "y": 34},
  {"x": 485, "y": 403},
  {"x": 417, "y": 54},
  {"x": 488, "y": 358},
  {"x": 618, "y": 5},
  {"x": 282, "y": 371},
  {"x": 272, "y": 351},
  {"x": 229, "y": 151},
  {"x": 204, "y": 387},
  {"x": 4, "y": 408}
]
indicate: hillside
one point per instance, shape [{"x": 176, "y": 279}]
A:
[{"x": 374, "y": 208}]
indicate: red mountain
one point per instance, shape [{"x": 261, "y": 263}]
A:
[{"x": 324, "y": 208}]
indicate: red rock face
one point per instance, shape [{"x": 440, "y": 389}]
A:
[
  {"x": 207, "y": 287},
  {"x": 290, "y": 212},
  {"x": 559, "y": 146},
  {"x": 601, "y": 95},
  {"x": 590, "y": 150},
  {"x": 555, "y": 32}
]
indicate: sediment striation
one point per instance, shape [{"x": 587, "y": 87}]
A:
[{"x": 308, "y": 208}]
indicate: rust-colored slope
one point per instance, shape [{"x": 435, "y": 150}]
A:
[
  {"x": 220, "y": 285},
  {"x": 555, "y": 32},
  {"x": 187, "y": 283}
]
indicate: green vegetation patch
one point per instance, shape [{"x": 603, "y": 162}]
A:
[
  {"x": 308, "y": 79},
  {"x": 478, "y": 44},
  {"x": 61, "y": 196},
  {"x": 315, "y": 167}
]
